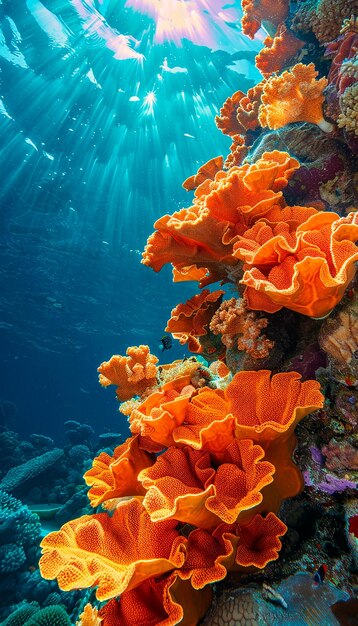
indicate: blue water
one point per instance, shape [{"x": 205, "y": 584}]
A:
[{"x": 94, "y": 148}]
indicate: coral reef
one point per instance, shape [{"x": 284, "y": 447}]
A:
[{"x": 229, "y": 464}]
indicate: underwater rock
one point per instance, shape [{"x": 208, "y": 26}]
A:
[
  {"x": 339, "y": 338},
  {"x": 307, "y": 603},
  {"x": 322, "y": 158},
  {"x": 18, "y": 475}
]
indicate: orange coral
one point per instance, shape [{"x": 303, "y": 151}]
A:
[
  {"x": 294, "y": 96},
  {"x": 160, "y": 414},
  {"x": 204, "y": 234},
  {"x": 132, "y": 374},
  {"x": 277, "y": 51},
  {"x": 90, "y": 617},
  {"x": 260, "y": 541},
  {"x": 238, "y": 151},
  {"x": 116, "y": 477},
  {"x": 191, "y": 319},
  {"x": 183, "y": 485},
  {"x": 207, "y": 425},
  {"x": 208, "y": 555},
  {"x": 265, "y": 407},
  {"x": 206, "y": 171},
  {"x": 240, "y": 327},
  {"x": 256, "y": 11},
  {"x": 113, "y": 553},
  {"x": 240, "y": 112},
  {"x": 158, "y": 602},
  {"x": 308, "y": 274}
]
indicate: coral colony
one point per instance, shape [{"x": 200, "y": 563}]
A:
[{"x": 196, "y": 494}]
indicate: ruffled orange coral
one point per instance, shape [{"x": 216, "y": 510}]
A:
[
  {"x": 311, "y": 275},
  {"x": 190, "y": 272},
  {"x": 265, "y": 407},
  {"x": 183, "y": 485},
  {"x": 113, "y": 553},
  {"x": 256, "y": 11},
  {"x": 204, "y": 234},
  {"x": 294, "y": 96},
  {"x": 158, "y": 602},
  {"x": 191, "y": 320},
  {"x": 277, "y": 51},
  {"x": 132, "y": 374},
  {"x": 206, "y": 171},
  {"x": 260, "y": 541},
  {"x": 160, "y": 414},
  {"x": 208, "y": 555},
  {"x": 207, "y": 424},
  {"x": 116, "y": 477}
]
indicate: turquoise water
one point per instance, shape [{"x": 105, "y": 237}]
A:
[{"x": 106, "y": 107}]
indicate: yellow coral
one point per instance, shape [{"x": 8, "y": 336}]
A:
[
  {"x": 348, "y": 117},
  {"x": 89, "y": 617}
]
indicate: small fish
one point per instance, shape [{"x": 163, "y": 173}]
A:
[
  {"x": 320, "y": 574},
  {"x": 166, "y": 343}
]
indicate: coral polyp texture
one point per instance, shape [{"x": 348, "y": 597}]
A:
[{"x": 200, "y": 491}]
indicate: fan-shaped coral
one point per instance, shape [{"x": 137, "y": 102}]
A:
[
  {"x": 205, "y": 172},
  {"x": 116, "y": 477},
  {"x": 204, "y": 234},
  {"x": 158, "y": 602},
  {"x": 184, "y": 485},
  {"x": 114, "y": 553},
  {"x": 276, "y": 406},
  {"x": 306, "y": 271}
]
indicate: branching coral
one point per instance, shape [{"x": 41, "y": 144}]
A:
[
  {"x": 348, "y": 118},
  {"x": 132, "y": 374},
  {"x": 324, "y": 17},
  {"x": 89, "y": 617},
  {"x": 294, "y": 96},
  {"x": 241, "y": 328}
]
